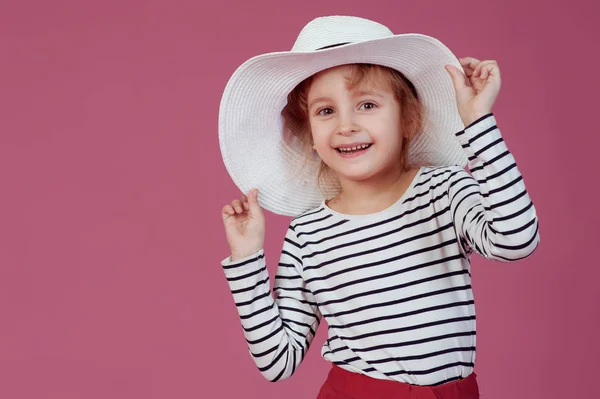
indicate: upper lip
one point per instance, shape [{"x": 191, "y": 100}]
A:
[{"x": 352, "y": 145}]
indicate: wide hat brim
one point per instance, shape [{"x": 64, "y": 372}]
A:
[{"x": 256, "y": 151}]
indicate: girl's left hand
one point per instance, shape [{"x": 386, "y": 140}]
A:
[{"x": 476, "y": 89}]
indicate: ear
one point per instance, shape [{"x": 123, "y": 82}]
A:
[{"x": 411, "y": 129}]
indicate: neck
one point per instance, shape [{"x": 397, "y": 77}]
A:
[{"x": 372, "y": 195}]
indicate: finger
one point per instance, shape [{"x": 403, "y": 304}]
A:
[
  {"x": 458, "y": 79},
  {"x": 469, "y": 62},
  {"x": 253, "y": 202},
  {"x": 245, "y": 203},
  {"x": 468, "y": 71},
  {"x": 226, "y": 212},
  {"x": 252, "y": 196},
  {"x": 484, "y": 72},
  {"x": 491, "y": 69},
  {"x": 478, "y": 69},
  {"x": 237, "y": 205}
]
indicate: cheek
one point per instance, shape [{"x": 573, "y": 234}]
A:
[
  {"x": 320, "y": 135},
  {"x": 387, "y": 131},
  {"x": 389, "y": 139}
]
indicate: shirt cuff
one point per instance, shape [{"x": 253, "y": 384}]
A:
[
  {"x": 477, "y": 127},
  {"x": 479, "y": 135},
  {"x": 249, "y": 263}
]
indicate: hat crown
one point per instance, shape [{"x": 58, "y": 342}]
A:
[{"x": 330, "y": 31}]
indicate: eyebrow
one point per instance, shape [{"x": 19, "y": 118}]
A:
[
  {"x": 361, "y": 93},
  {"x": 318, "y": 100},
  {"x": 357, "y": 93}
]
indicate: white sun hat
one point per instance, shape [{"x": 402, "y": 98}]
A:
[{"x": 258, "y": 153}]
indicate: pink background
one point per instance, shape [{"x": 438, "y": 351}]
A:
[{"x": 111, "y": 186}]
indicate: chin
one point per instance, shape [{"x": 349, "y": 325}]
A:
[
  {"x": 363, "y": 172},
  {"x": 357, "y": 175}
]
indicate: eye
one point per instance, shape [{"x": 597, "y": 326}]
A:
[
  {"x": 325, "y": 111},
  {"x": 368, "y": 105}
]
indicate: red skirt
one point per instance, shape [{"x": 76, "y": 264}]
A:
[{"x": 342, "y": 384}]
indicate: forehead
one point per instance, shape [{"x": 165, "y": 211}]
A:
[
  {"x": 351, "y": 78},
  {"x": 342, "y": 71}
]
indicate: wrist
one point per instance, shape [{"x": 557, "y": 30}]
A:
[
  {"x": 473, "y": 118},
  {"x": 237, "y": 255}
]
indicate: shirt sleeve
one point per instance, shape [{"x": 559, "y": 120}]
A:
[
  {"x": 278, "y": 328},
  {"x": 492, "y": 211}
]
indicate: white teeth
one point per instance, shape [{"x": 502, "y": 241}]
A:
[{"x": 358, "y": 147}]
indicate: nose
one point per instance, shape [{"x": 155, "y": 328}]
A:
[
  {"x": 346, "y": 125},
  {"x": 347, "y": 129}
]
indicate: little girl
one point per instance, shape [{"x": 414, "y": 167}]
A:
[{"x": 363, "y": 137}]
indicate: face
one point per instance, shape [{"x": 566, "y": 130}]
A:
[{"x": 356, "y": 133}]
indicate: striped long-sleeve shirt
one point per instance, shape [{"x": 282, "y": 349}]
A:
[{"x": 394, "y": 286}]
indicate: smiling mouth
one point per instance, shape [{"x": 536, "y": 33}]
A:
[{"x": 354, "y": 149}]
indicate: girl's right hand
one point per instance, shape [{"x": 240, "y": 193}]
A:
[{"x": 244, "y": 224}]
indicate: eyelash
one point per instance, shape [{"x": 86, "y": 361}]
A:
[
  {"x": 319, "y": 112},
  {"x": 369, "y": 102}
]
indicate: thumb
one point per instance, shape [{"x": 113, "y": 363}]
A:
[
  {"x": 253, "y": 205},
  {"x": 459, "y": 80}
]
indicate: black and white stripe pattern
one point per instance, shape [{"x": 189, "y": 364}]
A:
[{"x": 394, "y": 287}]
